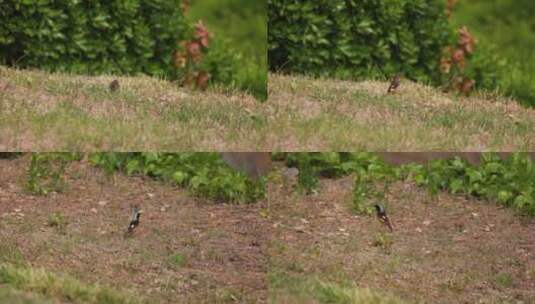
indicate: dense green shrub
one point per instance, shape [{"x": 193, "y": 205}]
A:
[
  {"x": 373, "y": 39},
  {"x": 311, "y": 165},
  {"x": 93, "y": 36},
  {"x": 112, "y": 37},
  {"x": 354, "y": 39},
  {"x": 509, "y": 181},
  {"x": 205, "y": 174}
]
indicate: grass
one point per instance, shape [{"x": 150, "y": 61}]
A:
[
  {"x": 21, "y": 283},
  {"x": 61, "y": 288},
  {"x": 312, "y": 249},
  {"x": 177, "y": 259},
  {"x": 243, "y": 24},
  {"x": 343, "y": 258},
  {"x": 504, "y": 280},
  {"x": 55, "y": 112},
  {"x": 509, "y": 27},
  {"x": 183, "y": 251},
  {"x": 41, "y": 112},
  {"x": 340, "y": 115},
  {"x": 297, "y": 289},
  {"x": 9, "y": 295},
  {"x": 57, "y": 220}
]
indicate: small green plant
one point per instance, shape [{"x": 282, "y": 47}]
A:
[
  {"x": 383, "y": 241},
  {"x": 177, "y": 259},
  {"x": 10, "y": 253},
  {"x": 504, "y": 280},
  {"x": 57, "y": 220},
  {"x": 46, "y": 172},
  {"x": 307, "y": 180},
  {"x": 367, "y": 192}
]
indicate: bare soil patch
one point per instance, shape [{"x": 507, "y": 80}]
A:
[{"x": 333, "y": 115}]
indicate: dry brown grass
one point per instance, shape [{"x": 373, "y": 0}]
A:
[
  {"x": 49, "y": 112},
  {"x": 329, "y": 115}
]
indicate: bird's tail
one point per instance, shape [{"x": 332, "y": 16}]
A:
[{"x": 386, "y": 221}]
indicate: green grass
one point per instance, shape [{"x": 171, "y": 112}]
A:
[
  {"x": 57, "y": 220},
  {"x": 504, "y": 280},
  {"x": 508, "y": 26},
  {"x": 243, "y": 24},
  {"x": 12, "y": 296},
  {"x": 177, "y": 259},
  {"x": 330, "y": 115},
  {"x": 297, "y": 289},
  {"x": 55, "y": 287},
  {"x": 20, "y": 283},
  {"x": 55, "y": 112}
]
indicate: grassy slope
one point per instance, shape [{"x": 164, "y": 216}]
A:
[
  {"x": 243, "y": 24},
  {"x": 340, "y": 115},
  {"x": 41, "y": 111},
  {"x": 509, "y": 26}
]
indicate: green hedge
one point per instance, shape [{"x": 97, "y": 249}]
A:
[
  {"x": 356, "y": 39},
  {"x": 92, "y": 37},
  {"x": 205, "y": 174}
]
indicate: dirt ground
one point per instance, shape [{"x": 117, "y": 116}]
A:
[
  {"x": 223, "y": 246},
  {"x": 444, "y": 249}
]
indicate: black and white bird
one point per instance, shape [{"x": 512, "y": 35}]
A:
[
  {"x": 134, "y": 219},
  {"x": 381, "y": 215},
  {"x": 394, "y": 84}
]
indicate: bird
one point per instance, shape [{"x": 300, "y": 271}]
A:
[
  {"x": 134, "y": 219},
  {"x": 381, "y": 215},
  {"x": 394, "y": 84},
  {"x": 114, "y": 85}
]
